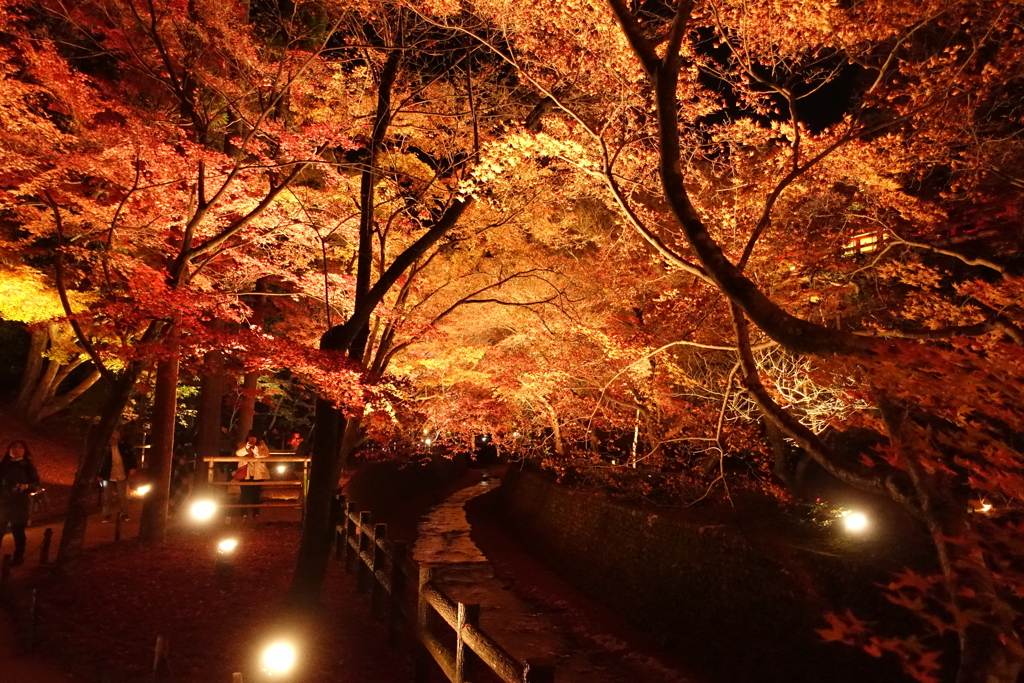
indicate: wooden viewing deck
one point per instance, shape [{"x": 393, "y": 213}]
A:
[{"x": 275, "y": 457}]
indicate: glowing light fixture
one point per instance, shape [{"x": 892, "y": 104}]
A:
[
  {"x": 203, "y": 510},
  {"x": 426, "y": 441},
  {"x": 855, "y": 521},
  {"x": 515, "y": 433},
  {"x": 281, "y": 468},
  {"x": 143, "y": 490},
  {"x": 228, "y": 545},
  {"x": 278, "y": 659}
]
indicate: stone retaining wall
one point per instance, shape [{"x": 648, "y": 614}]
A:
[{"x": 743, "y": 608}]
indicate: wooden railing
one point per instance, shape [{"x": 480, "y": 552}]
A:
[
  {"x": 275, "y": 457},
  {"x": 384, "y": 568}
]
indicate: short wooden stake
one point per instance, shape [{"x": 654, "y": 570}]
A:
[
  {"x": 117, "y": 527},
  {"x": 161, "y": 665},
  {"x": 5, "y": 571},
  {"x": 44, "y": 549},
  {"x": 30, "y": 637}
]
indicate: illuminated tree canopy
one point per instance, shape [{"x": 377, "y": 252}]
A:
[{"x": 624, "y": 238}]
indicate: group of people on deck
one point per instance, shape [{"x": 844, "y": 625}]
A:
[{"x": 253, "y": 471}]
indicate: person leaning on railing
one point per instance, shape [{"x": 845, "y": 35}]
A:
[{"x": 253, "y": 447}]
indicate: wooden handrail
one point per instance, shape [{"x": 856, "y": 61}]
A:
[
  {"x": 245, "y": 458},
  {"x": 386, "y": 565},
  {"x": 276, "y": 457}
]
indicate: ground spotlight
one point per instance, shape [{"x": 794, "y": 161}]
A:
[
  {"x": 855, "y": 521},
  {"x": 143, "y": 490},
  {"x": 278, "y": 659},
  {"x": 203, "y": 510},
  {"x": 227, "y": 546}
]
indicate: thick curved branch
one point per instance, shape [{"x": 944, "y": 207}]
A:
[
  {"x": 998, "y": 324},
  {"x": 668, "y": 254},
  {"x": 62, "y": 292},
  {"x": 985, "y": 263},
  {"x": 339, "y": 337},
  {"x": 886, "y": 481},
  {"x": 796, "y": 334}
]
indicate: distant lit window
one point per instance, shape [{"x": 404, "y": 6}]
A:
[{"x": 864, "y": 243}]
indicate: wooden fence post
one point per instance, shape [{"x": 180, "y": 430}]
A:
[
  {"x": 44, "y": 549},
  {"x": 364, "y": 521},
  {"x": 537, "y": 671},
  {"x": 350, "y": 533},
  {"x": 339, "y": 538},
  {"x": 399, "y": 549},
  {"x": 464, "y": 657},
  {"x": 423, "y": 657},
  {"x": 380, "y": 532},
  {"x": 5, "y": 572}
]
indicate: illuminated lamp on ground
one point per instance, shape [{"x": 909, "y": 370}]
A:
[
  {"x": 278, "y": 659},
  {"x": 202, "y": 510},
  {"x": 143, "y": 490},
  {"x": 224, "y": 566},
  {"x": 855, "y": 521}
]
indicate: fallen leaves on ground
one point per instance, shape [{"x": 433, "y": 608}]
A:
[{"x": 105, "y": 617}]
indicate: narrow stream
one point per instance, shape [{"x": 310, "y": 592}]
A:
[
  {"x": 443, "y": 537},
  {"x": 525, "y": 629}
]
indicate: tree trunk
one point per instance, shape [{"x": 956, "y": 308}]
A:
[
  {"x": 83, "y": 489},
  {"x": 211, "y": 398},
  {"x": 318, "y": 523},
  {"x": 556, "y": 430},
  {"x": 44, "y": 388},
  {"x": 247, "y": 407},
  {"x": 153, "y": 526},
  {"x": 33, "y": 369},
  {"x": 58, "y": 403}
]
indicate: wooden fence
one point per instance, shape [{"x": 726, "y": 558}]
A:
[
  {"x": 275, "y": 457},
  {"x": 407, "y": 597}
]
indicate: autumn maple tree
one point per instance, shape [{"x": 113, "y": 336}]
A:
[
  {"x": 699, "y": 119},
  {"x": 653, "y": 235}
]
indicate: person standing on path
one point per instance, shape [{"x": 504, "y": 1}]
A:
[
  {"x": 254, "y": 447},
  {"x": 18, "y": 479},
  {"x": 114, "y": 473}
]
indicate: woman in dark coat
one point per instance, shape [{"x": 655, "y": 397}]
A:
[{"x": 18, "y": 479}]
